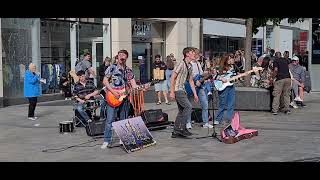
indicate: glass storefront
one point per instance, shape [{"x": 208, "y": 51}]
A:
[
  {"x": 89, "y": 39},
  {"x": 46, "y": 43},
  {"x": 147, "y": 41},
  {"x": 216, "y": 46},
  {"x": 16, "y": 53},
  {"x": 55, "y": 53}
]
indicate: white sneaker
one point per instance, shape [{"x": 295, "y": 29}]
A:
[
  {"x": 207, "y": 125},
  {"x": 104, "y": 145},
  {"x": 120, "y": 142},
  {"x": 293, "y": 104},
  {"x": 32, "y": 118},
  {"x": 297, "y": 99},
  {"x": 189, "y": 125},
  {"x": 216, "y": 122},
  {"x": 209, "y": 93},
  {"x": 65, "y": 99}
]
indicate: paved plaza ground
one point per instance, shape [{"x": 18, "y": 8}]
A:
[{"x": 281, "y": 138}]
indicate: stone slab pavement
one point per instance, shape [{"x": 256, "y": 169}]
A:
[{"x": 281, "y": 138}]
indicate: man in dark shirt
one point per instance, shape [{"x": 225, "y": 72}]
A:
[
  {"x": 162, "y": 85},
  {"x": 282, "y": 85},
  {"x": 84, "y": 90}
]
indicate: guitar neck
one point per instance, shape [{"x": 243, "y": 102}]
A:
[{"x": 240, "y": 75}]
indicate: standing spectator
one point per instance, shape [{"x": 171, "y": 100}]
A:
[
  {"x": 305, "y": 60},
  {"x": 265, "y": 77},
  {"x": 85, "y": 65},
  {"x": 278, "y": 55},
  {"x": 32, "y": 89},
  {"x": 298, "y": 74},
  {"x": 65, "y": 87},
  {"x": 255, "y": 76},
  {"x": 238, "y": 59},
  {"x": 170, "y": 67},
  {"x": 162, "y": 85},
  {"x": 272, "y": 55},
  {"x": 103, "y": 67},
  {"x": 282, "y": 85},
  {"x": 286, "y": 56}
]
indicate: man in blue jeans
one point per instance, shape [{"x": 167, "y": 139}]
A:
[
  {"x": 202, "y": 94},
  {"x": 117, "y": 76},
  {"x": 84, "y": 90}
]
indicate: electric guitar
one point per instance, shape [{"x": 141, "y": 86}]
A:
[
  {"x": 199, "y": 78},
  {"x": 220, "y": 86},
  {"x": 114, "y": 102}
]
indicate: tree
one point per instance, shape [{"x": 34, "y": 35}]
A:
[{"x": 252, "y": 25}]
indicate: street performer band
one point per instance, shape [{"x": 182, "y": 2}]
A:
[{"x": 192, "y": 78}]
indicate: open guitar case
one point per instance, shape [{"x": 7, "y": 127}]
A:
[{"x": 234, "y": 132}]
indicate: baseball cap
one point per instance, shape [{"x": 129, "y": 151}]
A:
[{"x": 295, "y": 58}]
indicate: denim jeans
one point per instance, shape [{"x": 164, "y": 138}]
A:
[
  {"x": 168, "y": 77},
  {"x": 203, "y": 98},
  {"x": 110, "y": 115},
  {"x": 227, "y": 96},
  {"x": 103, "y": 104},
  {"x": 82, "y": 112},
  {"x": 185, "y": 109},
  {"x": 208, "y": 86}
]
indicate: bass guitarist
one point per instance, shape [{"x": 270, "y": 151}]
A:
[
  {"x": 117, "y": 76},
  {"x": 201, "y": 92}
]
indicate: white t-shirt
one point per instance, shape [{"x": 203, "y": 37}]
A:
[{"x": 196, "y": 68}]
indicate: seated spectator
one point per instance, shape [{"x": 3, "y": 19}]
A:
[{"x": 298, "y": 79}]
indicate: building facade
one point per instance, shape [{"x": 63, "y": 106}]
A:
[{"x": 55, "y": 44}]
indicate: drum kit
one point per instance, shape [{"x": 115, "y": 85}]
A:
[{"x": 90, "y": 107}]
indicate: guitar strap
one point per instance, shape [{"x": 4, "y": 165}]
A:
[{"x": 187, "y": 68}]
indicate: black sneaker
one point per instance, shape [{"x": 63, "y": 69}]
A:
[
  {"x": 287, "y": 112},
  {"x": 187, "y": 133},
  {"x": 274, "y": 113},
  {"x": 303, "y": 105}
]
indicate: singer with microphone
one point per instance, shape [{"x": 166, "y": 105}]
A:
[{"x": 117, "y": 76}]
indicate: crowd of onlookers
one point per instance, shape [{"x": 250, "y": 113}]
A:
[{"x": 277, "y": 67}]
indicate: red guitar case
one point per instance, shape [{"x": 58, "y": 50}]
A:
[{"x": 234, "y": 132}]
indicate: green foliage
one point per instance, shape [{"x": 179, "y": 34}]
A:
[{"x": 261, "y": 22}]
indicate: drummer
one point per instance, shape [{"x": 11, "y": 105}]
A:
[{"x": 84, "y": 90}]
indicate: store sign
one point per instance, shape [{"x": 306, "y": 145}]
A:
[
  {"x": 303, "y": 41},
  {"x": 141, "y": 29}
]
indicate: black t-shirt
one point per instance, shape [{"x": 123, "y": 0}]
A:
[{"x": 283, "y": 68}]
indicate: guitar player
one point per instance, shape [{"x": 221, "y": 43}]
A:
[
  {"x": 202, "y": 94},
  {"x": 117, "y": 76},
  {"x": 226, "y": 96}
]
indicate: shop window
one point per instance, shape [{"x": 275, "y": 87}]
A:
[
  {"x": 55, "y": 53},
  {"x": 16, "y": 53}
]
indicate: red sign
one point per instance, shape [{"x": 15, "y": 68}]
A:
[{"x": 303, "y": 42}]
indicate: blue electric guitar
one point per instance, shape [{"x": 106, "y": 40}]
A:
[
  {"x": 199, "y": 78},
  {"x": 229, "y": 77}
]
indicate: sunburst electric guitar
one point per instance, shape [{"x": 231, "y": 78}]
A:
[{"x": 114, "y": 102}]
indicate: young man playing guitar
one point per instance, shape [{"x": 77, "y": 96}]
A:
[
  {"x": 181, "y": 73},
  {"x": 201, "y": 91},
  {"x": 117, "y": 76}
]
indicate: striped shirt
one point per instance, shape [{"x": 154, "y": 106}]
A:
[
  {"x": 182, "y": 71},
  {"x": 81, "y": 91}
]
